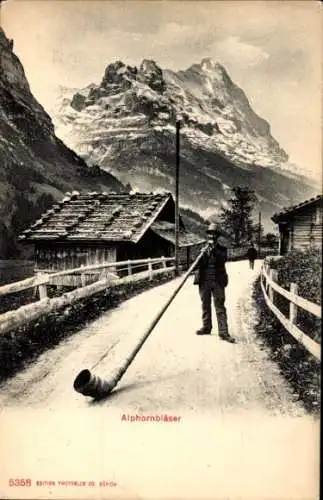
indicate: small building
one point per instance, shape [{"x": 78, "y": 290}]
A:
[
  {"x": 300, "y": 226},
  {"x": 95, "y": 228}
]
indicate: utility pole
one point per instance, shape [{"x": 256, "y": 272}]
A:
[
  {"x": 259, "y": 234},
  {"x": 177, "y": 199}
]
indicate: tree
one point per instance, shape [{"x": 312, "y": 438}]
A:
[
  {"x": 270, "y": 240},
  {"x": 257, "y": 234},
  {"x": 236, "y": 219}
]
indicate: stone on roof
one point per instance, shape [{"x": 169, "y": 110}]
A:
[{"x": 98, "y": 217}]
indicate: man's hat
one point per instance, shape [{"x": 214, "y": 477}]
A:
[{"x": 224, "y": 237}]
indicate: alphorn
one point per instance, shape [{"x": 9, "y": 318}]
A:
[{"x": 91, "y": 385}]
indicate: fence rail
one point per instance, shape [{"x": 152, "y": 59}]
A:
[
  {"x": 24, "y": 314},
  {"x": 46, "y": 278},
  {"x": 269, "y": 285}
]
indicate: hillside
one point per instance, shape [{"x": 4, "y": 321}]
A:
[{"x": 36, "y": 167}]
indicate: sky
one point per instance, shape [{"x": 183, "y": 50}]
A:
[{"x": 271, "y": 49}]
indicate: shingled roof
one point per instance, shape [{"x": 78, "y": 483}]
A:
[
  {"x": 167, "y": 231},
  {"x": 294, "y": 208},
  {"x": 98, "y": 217}
]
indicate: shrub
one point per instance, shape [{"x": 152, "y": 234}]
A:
[
  {"x": 24, "y": 344},
  {"x": 299, "y": 368},
  {"x": 305, "y": 269}
]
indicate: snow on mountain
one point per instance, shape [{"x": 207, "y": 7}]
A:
[
  {"x": 295, "y": 171},
  {"x": 126, "y": 125}
]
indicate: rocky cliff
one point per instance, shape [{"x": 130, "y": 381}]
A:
[
  {"x": 36, "y": 167},
  {"x": 126, "y": 124}
]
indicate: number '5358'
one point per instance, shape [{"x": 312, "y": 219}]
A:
[{"x": 19, "y": 482}]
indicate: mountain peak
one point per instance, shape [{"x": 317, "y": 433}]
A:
[
  {"x": 152, "y": 75},
  {"x": 130, "y": 133},
  {"x": 118, "y": 72},
  {"x": 210, "y": 69},
  {"x": 148, "y": 65},
  {"x": 11, "y": 68},
  {"x": 208, "y": 63}
]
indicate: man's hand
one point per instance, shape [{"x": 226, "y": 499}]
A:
[{"x": 210, "y": 248}]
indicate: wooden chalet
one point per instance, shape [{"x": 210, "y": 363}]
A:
[
  {"x": 300, "y": 226},
  {"x": 94, "y": 228}
]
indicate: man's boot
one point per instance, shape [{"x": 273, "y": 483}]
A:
[
  {"x": 203, "y": 331},
  {"x": 227, "y": 338}
]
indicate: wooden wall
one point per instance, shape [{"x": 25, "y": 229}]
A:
[
  {"x": 150, "y": 245},
  {"x": 50, "y": 257},
  {"x": 307, "y": 229},
  {"x": 53, "y": 258},
  {"x": 304, "y": 228}
]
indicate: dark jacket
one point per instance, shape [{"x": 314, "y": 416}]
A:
[
  {"x": 251, "y": 253},
  {"x": 212, "y": 268}
]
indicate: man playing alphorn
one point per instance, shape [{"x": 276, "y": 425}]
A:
[{"x": 212, "y": 279}]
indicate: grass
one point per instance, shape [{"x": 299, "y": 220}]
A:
[{"x": 21, "y": 346}]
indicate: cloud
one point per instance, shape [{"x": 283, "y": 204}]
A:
[{"x": 238, "y": 53}]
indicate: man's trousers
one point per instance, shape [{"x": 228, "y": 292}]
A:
[{"x": 216, "y": 291}]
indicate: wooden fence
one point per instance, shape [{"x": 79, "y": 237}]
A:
[
  {"x": 269, "y": 286},
  {"x": 24, "y": 314}
]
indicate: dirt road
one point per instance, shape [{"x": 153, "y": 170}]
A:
[{"x": 239, "y": 430}]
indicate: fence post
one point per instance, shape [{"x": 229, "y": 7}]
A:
[
  {"x": 267, "y": 286},
  {"x": 274, "y": 277},
  {"x": 270, "y": 288},
  {"x": 164, "y": 264},
  {"x": 129, "y": 267},
  {"x": 262, "y": 277},
  {"x": 150, "y": 268},
  {"x": 292, "y": 306},
  {"x": 42, "y": 289},
  {"x": 83, "y": 278}
]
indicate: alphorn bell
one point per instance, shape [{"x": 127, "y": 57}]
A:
[{"x": 91, "y": 385}]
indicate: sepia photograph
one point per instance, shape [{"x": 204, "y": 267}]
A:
[{"x": 160, "y": 249}]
